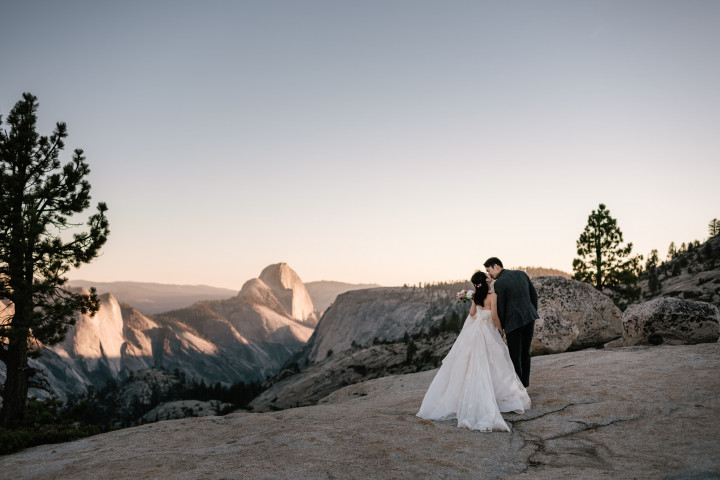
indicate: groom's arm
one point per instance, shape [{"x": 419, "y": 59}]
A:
[
  {"x": 533, "y": 292},
  {"x": 501, "y": 303}
]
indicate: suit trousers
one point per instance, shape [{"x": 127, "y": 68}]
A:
[{"x": 518, "y": 342}]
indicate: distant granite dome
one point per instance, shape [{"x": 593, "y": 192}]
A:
[
  {"x": 290, "y": 291},
  {"x": 256, "y": 292}
]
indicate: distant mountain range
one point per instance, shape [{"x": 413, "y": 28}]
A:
[
  {"x": 150, "y": 298},
  {"x": 245, "y": 337}
]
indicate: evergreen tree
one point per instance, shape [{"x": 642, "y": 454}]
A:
[
  {"x": 651, "y": 269},
  {"x": 410, "y": 352},
  {"x": 714, "y": 227},
  {"x": 671, "y": 251},
  {"x": 603, "y": 261},
  {"x": 38, "y": 198}
]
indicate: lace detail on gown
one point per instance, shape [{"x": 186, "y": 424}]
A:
[{"x": 476, "y": 381}]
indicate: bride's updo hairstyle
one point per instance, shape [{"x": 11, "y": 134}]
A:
[{"x": 479, "y": 280}]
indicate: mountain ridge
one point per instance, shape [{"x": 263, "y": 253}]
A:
[{"x": 151, "y": 298}]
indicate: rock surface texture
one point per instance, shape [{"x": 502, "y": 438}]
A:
[
  {"x": 633, "y": 412},
  {"x": 554, "y": 332},
  {"x": 671, "y": 320},
  {"x": 596, "y": 318}
]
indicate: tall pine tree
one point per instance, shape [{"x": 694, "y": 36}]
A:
[
  {"x": 38, "y": 199},
  {"x": 604, "y": 262}
]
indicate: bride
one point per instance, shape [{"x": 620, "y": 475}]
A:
[{"x": 477, "y": 380}]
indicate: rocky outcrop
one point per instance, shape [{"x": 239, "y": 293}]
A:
[
  {"x": 362, "y": 316},
  {"x": 595, "y": 414},
  {"x": 673, "y": 321},
  {"x": 563, "y": 301},
  {"x": 691, "y": 275}
]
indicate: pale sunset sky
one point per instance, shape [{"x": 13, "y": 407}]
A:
[{"x": 374, "y": 141}]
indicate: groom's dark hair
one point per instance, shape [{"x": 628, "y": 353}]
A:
[{"x": 493, "y": 261}]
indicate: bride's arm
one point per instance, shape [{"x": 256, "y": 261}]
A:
[
  {"x": 493, "y": 308},
  {"x": 473, "y": 308}
]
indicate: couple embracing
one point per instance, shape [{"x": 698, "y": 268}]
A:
[{"x": 481, "y": 377}]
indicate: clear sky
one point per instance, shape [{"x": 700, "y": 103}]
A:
[{"x": 374, "y": 141}]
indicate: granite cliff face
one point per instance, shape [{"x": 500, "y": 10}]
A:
[
  {"x": 362, "y": 316},
  {"x": 290, "y": 291}
]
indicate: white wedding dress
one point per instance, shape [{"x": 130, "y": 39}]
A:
[{"x": 476, "y": 381}]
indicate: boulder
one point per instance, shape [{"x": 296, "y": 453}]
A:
[
  {"x": 673, "y": 321},
  {"x": 596, "y": 317},
  {"x": 554, "y": 333}
]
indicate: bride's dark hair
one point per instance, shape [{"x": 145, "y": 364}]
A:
[{"x": 479, "y": 280}]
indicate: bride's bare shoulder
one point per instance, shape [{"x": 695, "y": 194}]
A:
[{"x": 489, "y": 300}]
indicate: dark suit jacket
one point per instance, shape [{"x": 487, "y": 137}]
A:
[{"x": 516, "y": 299}]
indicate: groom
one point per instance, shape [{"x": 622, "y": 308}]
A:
[{"x": 517, "y": 309}]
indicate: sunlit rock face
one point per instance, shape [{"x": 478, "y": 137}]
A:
[
  {"x": 245, "y": 338},
  {"x": 287, "y": 287}
]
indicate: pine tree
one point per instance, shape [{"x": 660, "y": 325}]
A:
[
  {"x": 38, "y": 198},
  {"x": 714, "y": 227},
  {"x": 603, "y": 261},
  {"x": 651, "y": 269},
  {"x": 410, "y": 352}
]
